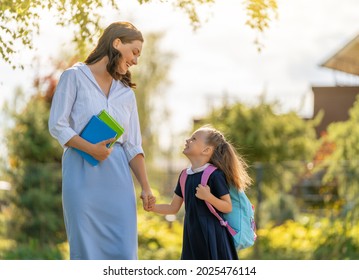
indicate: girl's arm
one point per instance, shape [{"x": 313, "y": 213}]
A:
[
  {"x": 171, "y": 208},
  {"x": 223, "y": 204}
]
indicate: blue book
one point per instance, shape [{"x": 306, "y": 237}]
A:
[{"x": 94, "y": 132}]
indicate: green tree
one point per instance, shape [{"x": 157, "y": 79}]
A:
[
  {"x": 343, "y": 164},
  {"x": 35, "y": 173},
  {"x": 19, "y": 19},
  {"x": 264, "y": 136}
]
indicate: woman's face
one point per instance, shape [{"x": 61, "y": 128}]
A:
[{"x": 130, "y": 53}]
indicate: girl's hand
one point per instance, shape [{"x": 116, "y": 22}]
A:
[
  {"x": 151, "y": 203},
  {"x": 100, "y": 150},
  {"x": 202, "y": 192},
  {"x": 148, "y": 200}
]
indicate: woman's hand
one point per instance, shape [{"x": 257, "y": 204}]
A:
[
  {"x": 139, "y": 169},
  {"x": 100, "y": 151}
]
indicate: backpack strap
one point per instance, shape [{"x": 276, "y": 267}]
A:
[
  {"x": 183, "y": 179},
  {"x": 205, "y": 176},
  {"x": 207, "y": 173},
  {"x": 204, "y": 180}
]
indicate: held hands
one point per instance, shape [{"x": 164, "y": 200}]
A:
[
  {"x": 100, "y": 150},
  {"x": 148, "y": 200},
  {"x": 203, "y": 192}
]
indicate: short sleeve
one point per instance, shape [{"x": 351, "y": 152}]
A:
[
  {"x": 218, "y": 184},
  {"x": 178, "y": 189}
]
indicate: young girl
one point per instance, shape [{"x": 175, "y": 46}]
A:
[{"x": 203, "y": 236}]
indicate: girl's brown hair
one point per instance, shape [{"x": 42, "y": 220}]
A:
[
  {"x": 226, "y": 158},
  {"x": 127, "y": 33}
]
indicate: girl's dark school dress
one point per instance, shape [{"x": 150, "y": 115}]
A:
[{"x": 203, "y": 236}]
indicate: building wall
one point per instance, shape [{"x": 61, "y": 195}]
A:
[{"x": 335, "y": 102}]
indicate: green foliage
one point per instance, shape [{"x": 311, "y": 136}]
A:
[
  {"x": 337, "y": 246},
  {"x": 29, "y": 140},
  {"x": 159, "y": 239},
  {"x": 307, "y": 239},
  {"x": 279, "y": 208},
  {"x": 33, "y": 250},
  {"x": 19, "y": 20},
  {"x": 35, "y": 175},
  {"x": 260, "y": 13},
  {"x": 4, "y": 218},
  {"x": 6, "y": 245},
  {"x": 263, "y": 135},
  {"x": 342, "y": 165},
  {"x": 345, "y": 136}
]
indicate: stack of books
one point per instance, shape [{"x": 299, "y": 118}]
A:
[{"x": 100, "y": 127}]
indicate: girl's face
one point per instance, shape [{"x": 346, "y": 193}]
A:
[
  {"x": 196, "y": 145},
  {"x": 130, "y": 53}
]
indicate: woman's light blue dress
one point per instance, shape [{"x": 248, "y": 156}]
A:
[{"x": 99, "y": 202}]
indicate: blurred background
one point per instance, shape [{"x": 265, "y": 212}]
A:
[{"x": 279, "y": 78}]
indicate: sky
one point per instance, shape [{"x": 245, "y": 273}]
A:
[{"x": 221, "y": 57}]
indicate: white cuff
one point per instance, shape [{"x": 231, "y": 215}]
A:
[{"x": 132, "y": 151}]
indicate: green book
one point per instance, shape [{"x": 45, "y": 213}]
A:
[{"x": 112, "y": 123}]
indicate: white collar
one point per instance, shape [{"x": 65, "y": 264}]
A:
[{"x": 191, "y": 171}]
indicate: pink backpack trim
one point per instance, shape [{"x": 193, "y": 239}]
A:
[{"x": 204, "y": 180}]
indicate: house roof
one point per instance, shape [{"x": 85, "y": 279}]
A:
[{"x": 346, "y": 59}]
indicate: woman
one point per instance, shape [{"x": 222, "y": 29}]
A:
[{"x": 99, "y": 201}]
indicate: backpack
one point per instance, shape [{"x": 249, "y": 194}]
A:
[{"x": 240, "y": 222}]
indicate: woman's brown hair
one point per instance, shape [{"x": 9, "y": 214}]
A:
[
  {"x": 127, "y": 33},
  {"x": 226, "y": 158}
]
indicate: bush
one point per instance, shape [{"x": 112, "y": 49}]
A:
[
  {"x": 32, "y": 251},
  {"x": 158, "y": 239},
  {"x": 341, "y": 243},
  {"x": 308, "y": 239}
]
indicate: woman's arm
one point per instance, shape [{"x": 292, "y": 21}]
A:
[
  {"x": 139, "y": 169},
  {"x": 171, "y": 208},
  {"x": 99, "y": 151},
  {"x": 223, "y": 204}
]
